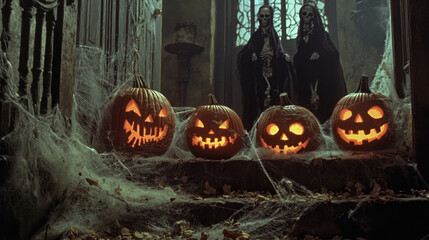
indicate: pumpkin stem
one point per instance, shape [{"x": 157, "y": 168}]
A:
[
  {"x": 212, "y": 99},
  {"x": 139, "y": 81},
  {"x": 284, "y": 99},
  {"x": 363, "y": 85}
]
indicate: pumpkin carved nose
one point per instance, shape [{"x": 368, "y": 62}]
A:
[
  {"x": 149, "y": 119},
  {"x": 358, "y": 119},
  {"x": 211, "y": 132},
  {"x": 284, "y": 137}
]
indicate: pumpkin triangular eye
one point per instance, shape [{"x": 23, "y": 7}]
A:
[
  {"x": 163, "y": 113},
  {"x": 224, "y": 125},
  {"x": 198, "y": 123},
  {"x": 133, "y": 107},
  {"x": 149, "y": 119}
]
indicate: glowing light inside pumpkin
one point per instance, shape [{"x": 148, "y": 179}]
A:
[
  {"x": 284, "y": 137},
  {"x": 345, "y": 114},
  {"x": 272, "y": 129},
  {"x": 150, "y": 134},
  {"x": 285, "y": 149},
  {"x": 163, "y": 113},
  {"x": 358, "y": 119},
  {"x": 214, "y": 143},
  {"x": 149, "y": 119},
  {"x": 133, "y": 107},
  {"x": 376, "y": 112},
  {"x": 198, "y": 123},
  {"x": 296, "y": 128},
  {"x": 224, "y": 125},
  {"x": 360, "y": 136}
]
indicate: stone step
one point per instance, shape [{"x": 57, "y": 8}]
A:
[
  {"x": 403, "y": 217},
  {"x": 389, "y": 170}
]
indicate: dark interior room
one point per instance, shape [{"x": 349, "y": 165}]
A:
[{"x": 214, "y": 119}]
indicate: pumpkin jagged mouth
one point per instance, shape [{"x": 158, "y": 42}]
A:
[
  {"x": 286, "y": 148},
  {"x": 213, "y": 142},
  {"x": 360, "y": 136},
  {"x": 149, "y": 135}
]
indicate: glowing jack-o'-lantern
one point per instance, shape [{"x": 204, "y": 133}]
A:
[
  {"x": 140, "y": 120},
  {"x": 288, "y": 128},
  {"x": 214, "y": 131},
  {"x": 362, "y": 120}
]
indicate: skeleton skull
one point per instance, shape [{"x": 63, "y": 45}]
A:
[
  {"x": 306, "y": 15},
  {"x": 264, "y": 16}
]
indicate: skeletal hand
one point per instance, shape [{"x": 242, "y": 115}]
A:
[
  {"x": 314, "y": 56},
  {"x": 254, "y": 57},
  {"x": 287, "y": 57}
]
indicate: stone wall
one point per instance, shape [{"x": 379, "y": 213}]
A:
[
  {"x": 201, "y": 14},
  {"x": 360, "y": 42}
]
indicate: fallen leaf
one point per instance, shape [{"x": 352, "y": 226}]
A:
[
  {"x": 204, "y": 236},
  {"x": 181, "y": 228},
  {"x": 125, "y": 231},
  {"x": 92, "y": 182},
  {"x": 236, "y": 235},
  {"x": 35, "y": 132},
  {"x": 209, "y": 190}
]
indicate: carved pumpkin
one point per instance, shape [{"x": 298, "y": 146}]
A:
[
  {"x": 362, "y": 120},
  {"x": 140, "y": 120},
  {"x": 214, "y": 131},
  {"x": 288, "y": 128}
]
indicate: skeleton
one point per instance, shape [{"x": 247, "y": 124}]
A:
[
  {"x": 307, "y": 16},
  {"x": 264, "y": 68},
  {"x": 314, "y": 100},
  {"x": 267, "y": 52},
  {"x": 320, "y": 81}
]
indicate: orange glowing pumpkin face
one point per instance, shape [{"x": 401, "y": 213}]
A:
[
  {"x": 214, "y": 141},
  {"x": 362, "y": 120},
  {"x": 288, "y": 128},
  {"x": 141, "y": 133},
  {"x": 141, "y": 120},
  {"x": 214, "y": 131}
]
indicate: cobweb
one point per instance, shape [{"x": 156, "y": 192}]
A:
[{"x": 61, "y": 178}]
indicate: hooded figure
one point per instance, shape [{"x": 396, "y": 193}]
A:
[
  {"x": 319, "y": 76},
  {"x": 264, "y": 69}
]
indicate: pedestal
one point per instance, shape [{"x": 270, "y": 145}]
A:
[{"x": 184, "y": 51}]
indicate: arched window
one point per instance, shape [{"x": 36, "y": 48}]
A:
[{"x": 286, "y": 17}]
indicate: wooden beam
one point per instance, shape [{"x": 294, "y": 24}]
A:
[
  {"x": 26, "y": 17},
  {"x": 419, "y": 75},
  {"x": 331, "y": 14},
  {"x": 397, "y": 36},
  {"x": 37, "y": 58}
]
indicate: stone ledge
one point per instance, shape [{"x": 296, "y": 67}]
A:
[{"x": 390, "y": 170}]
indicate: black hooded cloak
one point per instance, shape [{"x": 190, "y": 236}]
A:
[{"x": 323, "y": 75}]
